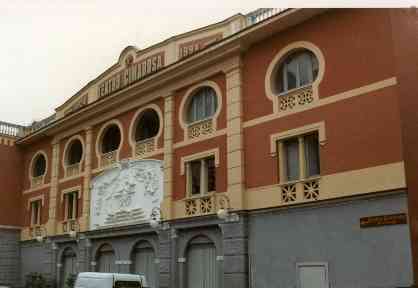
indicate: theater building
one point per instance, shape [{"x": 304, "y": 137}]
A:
[{"x": 273, "y": 149}]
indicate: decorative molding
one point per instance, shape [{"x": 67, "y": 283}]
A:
[
  {"x": 200, "y": 155},
  {"x": 325, "y": 101},
  {"x": 71, "y": 190},
  {"x": 34, "y": 189},
  {"x": 187, "y": 142},
  {"x": 8, "y": 227},
  {"x": 181, "y": 260},
  {"x": 30, "y": 174},
  {"x": 275, "y": 65},
  {"x": 36, "y": 198},
  {"x": 319, "y": 126},
  {"x": 380, "y": 178}
]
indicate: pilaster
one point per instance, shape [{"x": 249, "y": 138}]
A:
[
  {"x": 235, "y": 144},
  {"x": 52, "y": 221},
  {"x": 84, "y": 221},
  {"x": 167, "y": 266},
  {"x": 166, "y": 206}
]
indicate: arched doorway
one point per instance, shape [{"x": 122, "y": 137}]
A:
[
  {"x": 143, "y": 261},
  {"x": 69, "y": 265},
  {"x": 201, "y": 264},
  {"x": 106, "y": 259}
]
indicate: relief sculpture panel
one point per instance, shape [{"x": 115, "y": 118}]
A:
[{"x": 126, "y": 194}]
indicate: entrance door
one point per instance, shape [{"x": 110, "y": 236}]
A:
[
  {"x": 201, "y": 266},
  {"x": 144, "y": 262},
  {"x": 69, "y": 266},
  {"x": 313, "y": 275},
  {"x": 106, "y": 259}
]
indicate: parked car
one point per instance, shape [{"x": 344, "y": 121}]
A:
[{"x": 110, "y": 280}]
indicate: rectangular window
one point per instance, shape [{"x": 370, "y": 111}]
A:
[
  {"x": 299, "y": 157},
  {"x": 71, "y": 206},
  {"x": 201, "y": 176},
  {"x": 36, "y": 212}
]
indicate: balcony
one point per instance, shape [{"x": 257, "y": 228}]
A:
[
  {"x": 201, "y": 128},
  {"x": 70, "y": 225},
  {"x": 12, "y": 130},
  {"x": 37, "y": 181},
  {"x": 36, "y": 231},
  {"x": 294, "y": 98},
  {"x": 108, "y": 158},
  {"x": 205, "y": 205},
  {"x": 72, "y": 170},
  {"x": 145, "y": 147},
  {"x": 300, "y": 191}
]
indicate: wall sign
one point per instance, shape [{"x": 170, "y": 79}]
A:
[
  {"x": 126, "y": 194},
  {"x": 191, "y": 47},
  {"x": 375, "y": 221},
  {"x": 132, "y": 73}
]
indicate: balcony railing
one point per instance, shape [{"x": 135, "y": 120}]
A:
[
  {"x": 144, "y": 147},
  {"x": 72, "y": 170},
  {"x": 205, "y": 204},
  {"x": 201, "y": 128},
  {"x": 294, "y": 98},
  {"x": 108, "y": 158},
  {"x": 37, "y": 181},
  {"x": 69, "y": 225},
  {"x": 261, "y": 14},
  {"x": 300, "y": 191},
  {"x": 10, "y": 129}
]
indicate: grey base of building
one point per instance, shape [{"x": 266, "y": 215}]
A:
[
  {"x": 9, "y": 257},
  {"x": 263, "y": 249}
]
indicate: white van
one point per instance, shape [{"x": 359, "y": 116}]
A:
[{"x": 110, "y": 280}]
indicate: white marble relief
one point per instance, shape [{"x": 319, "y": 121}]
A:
[{"x": 126, "y": 194}]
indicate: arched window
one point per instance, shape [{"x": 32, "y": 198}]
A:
[
  {"x": 202, "y": 105},
  {"x": 69, "y": 265},
  {"x": 106, "y": 259},
  {"x": 39, "y": 166},
  {"x": 143, "y": 261},
  {"x": 75, "y": 152},
  {"x": 201, "y": 264},
  {"x": 148, "y": 125},
  {"x": 111, "y": 139},
  {"x": 298, "y": 69}
]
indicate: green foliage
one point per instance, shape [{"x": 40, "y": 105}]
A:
[
  {"x": 37, "y": 280},
  {"x": 70, "y": 281}
]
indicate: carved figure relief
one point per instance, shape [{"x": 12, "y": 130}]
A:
[{"x": 126, "y": 194}]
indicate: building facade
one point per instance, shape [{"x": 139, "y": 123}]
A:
[{"x": 274, "y": 149}]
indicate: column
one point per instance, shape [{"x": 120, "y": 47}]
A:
[
  {"x": 84, "y": 221},
  {"x": 52, "y": 221},
  {"x": 235, "y": 146},
  {"x": 166, "y": 206},
  {"x": 167, "y": 266},
  {"x": 235, "y": 246}
]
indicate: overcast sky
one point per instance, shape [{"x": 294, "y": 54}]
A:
[{"x": 51, "y": 48}]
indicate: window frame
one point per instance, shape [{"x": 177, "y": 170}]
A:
[
  {"x": 74, "y": 209},
  {"x": 185, "y": 101},
  {"x": 300, "y": 265},
  {"x": 204, "y": 178},
  {"x": 274, "y": 65},
  {"x": 67, "y": 147},
  {"x": 35, "y": 220},
  {"x": 99, "y": 140}
]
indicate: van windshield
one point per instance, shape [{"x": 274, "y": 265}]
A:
[{"x": 128, "y": 284}]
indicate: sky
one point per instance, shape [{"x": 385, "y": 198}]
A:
[{"x": 50, "y": 49}]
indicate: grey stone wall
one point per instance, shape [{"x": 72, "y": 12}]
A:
[
  {"x": 9, "y": 257},
  {"x": 372, "y": 257}
]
